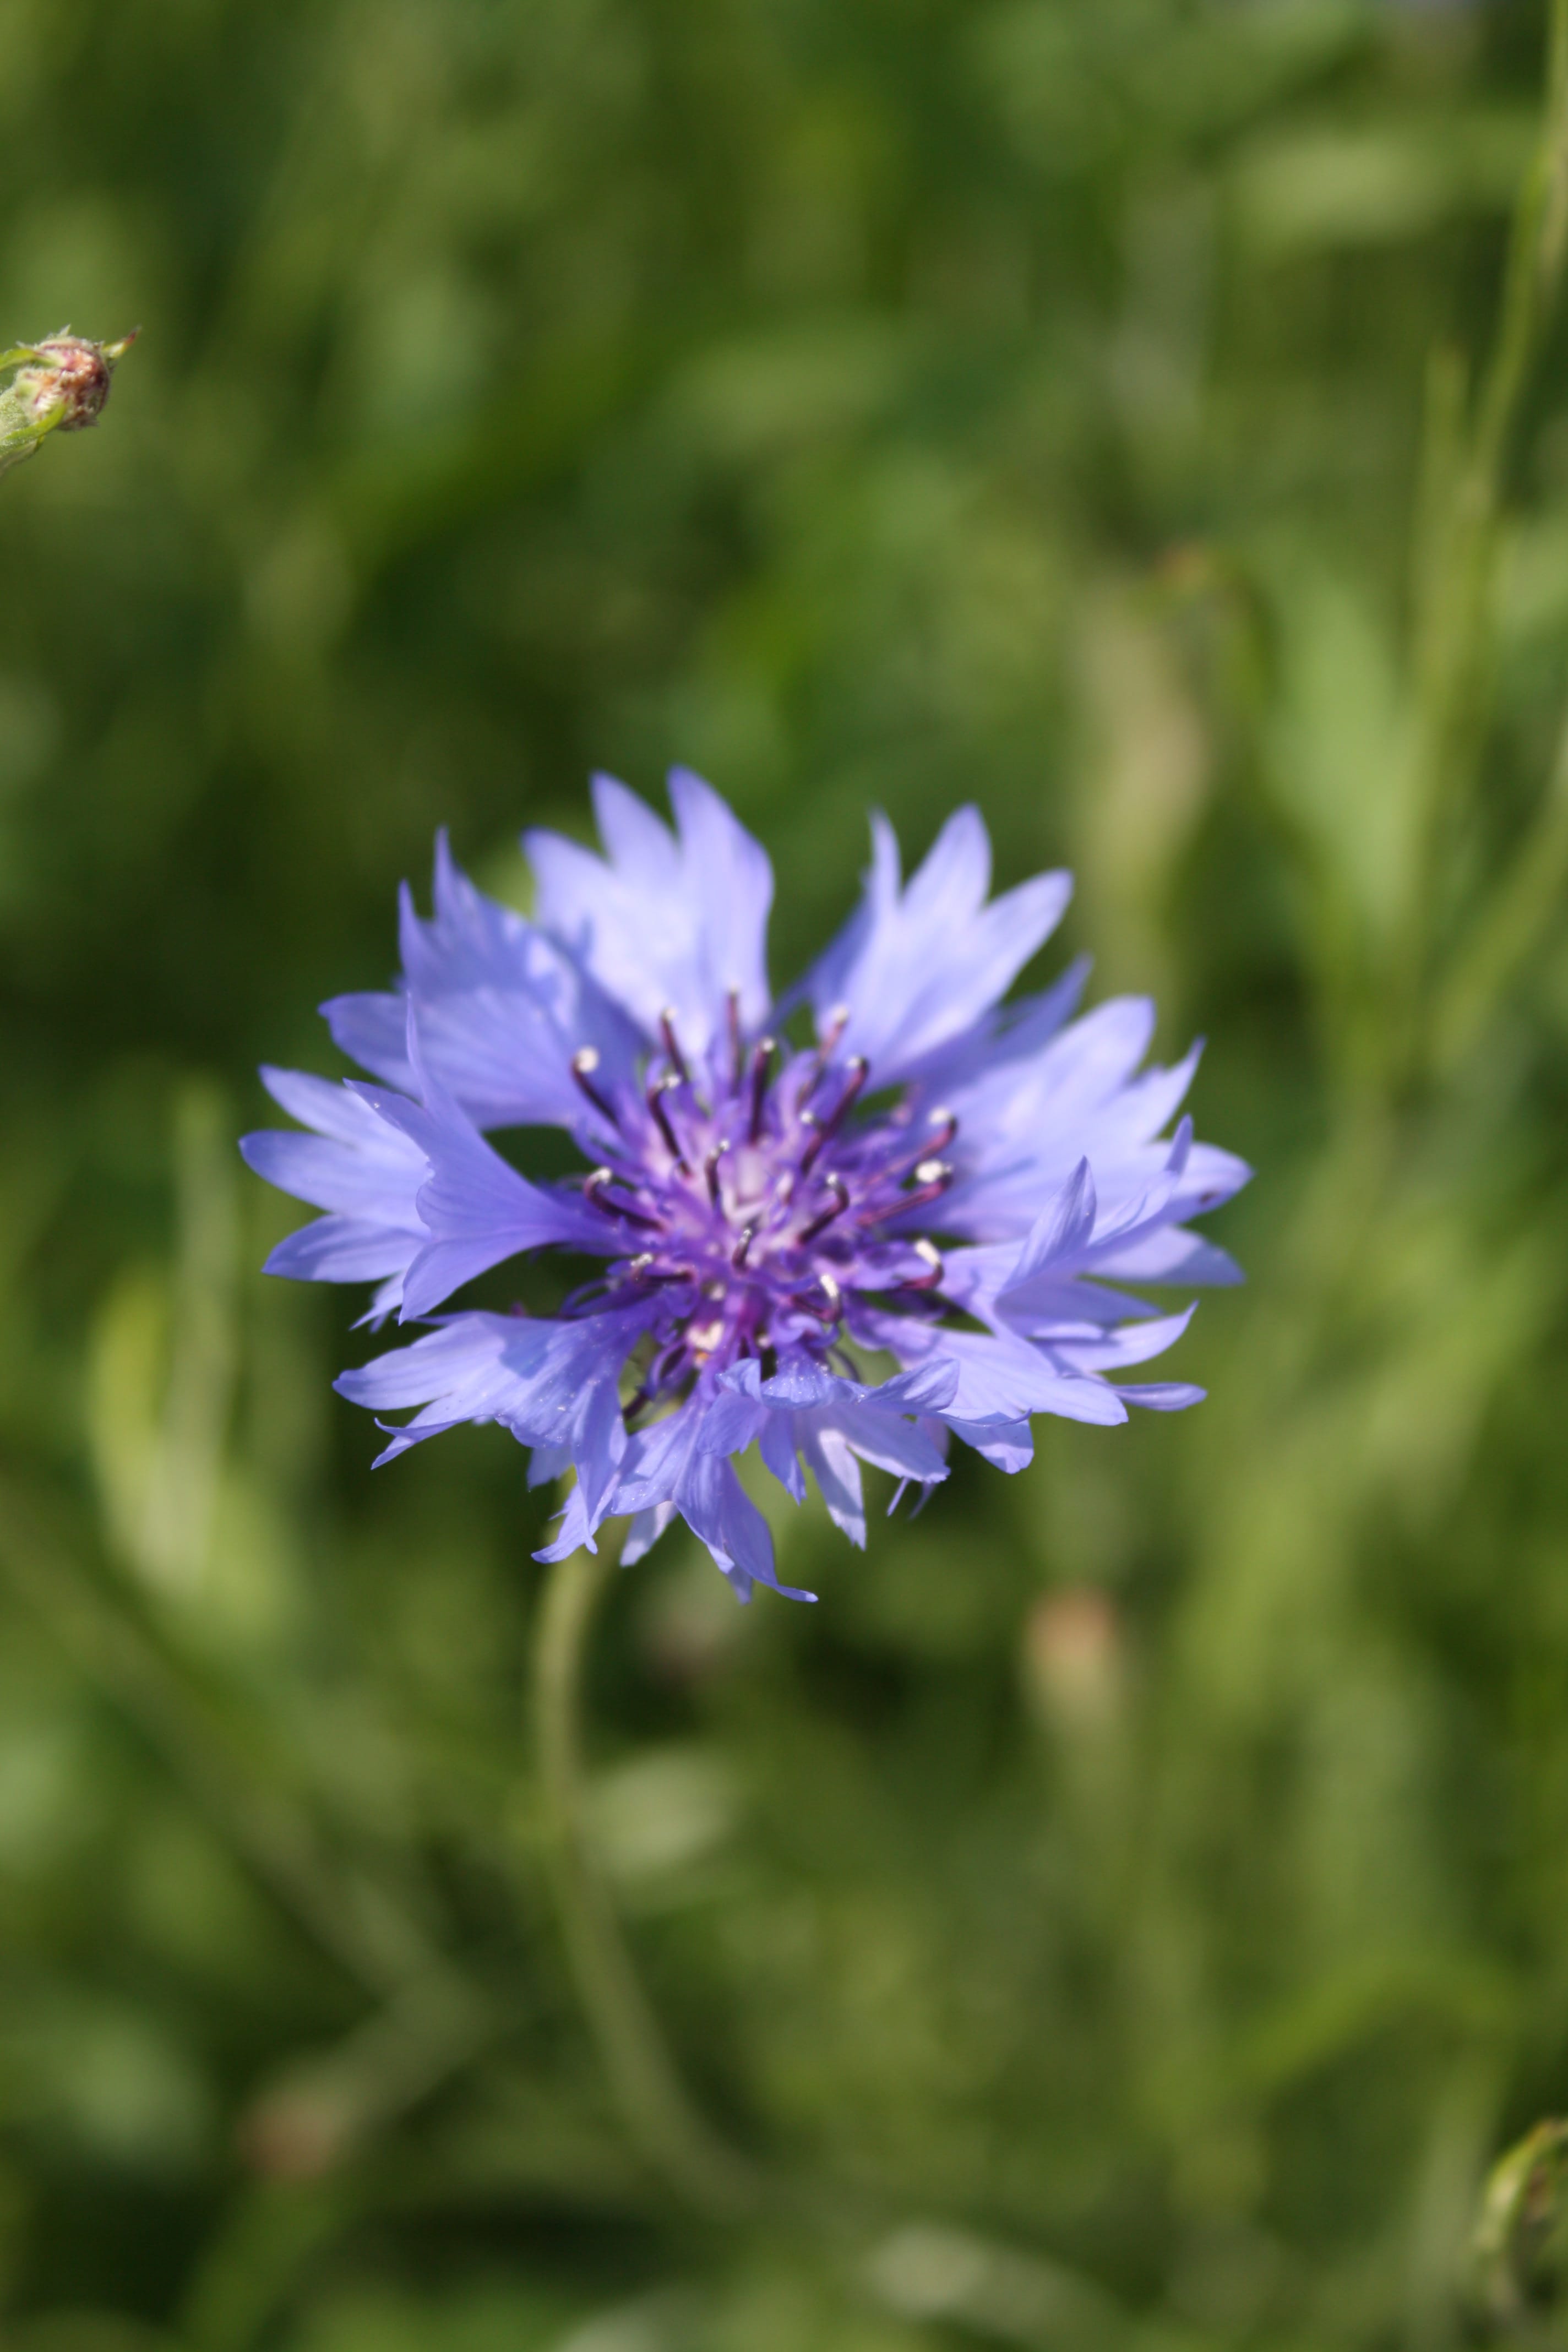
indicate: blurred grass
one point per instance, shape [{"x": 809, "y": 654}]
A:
[{"x": 1131, "y": 1909}]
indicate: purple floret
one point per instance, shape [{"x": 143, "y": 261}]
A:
[{"x": 775, "y": 1220}]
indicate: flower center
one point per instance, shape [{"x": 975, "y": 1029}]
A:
[{"x": 741, "y": 1180}]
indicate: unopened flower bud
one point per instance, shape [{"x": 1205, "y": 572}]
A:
[{"x": 60, "y": 385}]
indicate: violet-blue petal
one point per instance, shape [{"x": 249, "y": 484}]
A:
[
  {"x": 666, "y": 1464},
  {"x": 1008, "y": 1035},
  {"x": 916, "y": 967},
  {"x": 1002, "y": 1377},
  {"x": 501, "y": 1010},
  {"x": 665, "y": 921},
  {"x": 365, "y": 1174},
  {"x": 887, "y": 1440},
  {"x": 827, "y": 1454},
  {"x": 476, "y": 1209},
  {"x": 456, "y": 1372},
  {"x": 1022, "y": 1124},
  {"x": 576, "y": 1532},
  {"x": 806, "y": 1414},
  {"x": 344, "y": 1249},
  {"x": 645, "y": 1531},
  {"x": 1007, "y": 1445},
  {"x": 1170, "y": 1254},
  {"x": 781, "y": 1457},
  {"x": 352, "y": 1163},
  {"x": 1133, "y": 1343},
  {"x": 1162, "y": 1396},
  {"x": 553, "y": 1384},
  {"x": 718, "y": 1511}
]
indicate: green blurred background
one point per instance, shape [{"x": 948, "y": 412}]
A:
[{"x": 1131, "y": 1909}]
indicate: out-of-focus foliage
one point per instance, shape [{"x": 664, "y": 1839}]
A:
[{"x": 1132, "y": 1910}]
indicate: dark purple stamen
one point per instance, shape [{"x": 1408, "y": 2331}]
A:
[
  {"x": 840, "y": 1192},
  {"x": 594, "y": 1195},
  {"x": 857, "y": 1069},
  {"x": 656, "y": 1094},
  {"x": 762, "y": 1056},
  {"x": 932, "y": 1178},
  {"x": 828, "y": 1312},
  {"x": 737, "y": 1049},
  {"x": 673, "y": 1053},
  {"x": 643, "y": 1269},
  {"x": 929, "y": 1280},
  {"x": 855, "y": 1080},
  {"x": 730, "y": 1241},
  {"x": 826, "y": 1039},
  {"x": 584, "y": 1065}
]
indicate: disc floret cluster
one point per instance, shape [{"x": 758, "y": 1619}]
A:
[
  {"x": 907, "y": 1226},
  {"x": 743, "y": 1185}
]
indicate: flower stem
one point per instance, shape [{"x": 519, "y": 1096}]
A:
[
  {"x": 671, "y": 2136},
  {"x": 1461, "y": 539}
]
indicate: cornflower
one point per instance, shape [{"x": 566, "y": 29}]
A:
[{"x": 931, "y": 1178}]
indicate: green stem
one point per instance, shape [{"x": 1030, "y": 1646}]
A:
[
  {"x": 1511, "y": 926},
  {"x": 1460, "y": 546},
  {"x": 671, "y": 2134}
]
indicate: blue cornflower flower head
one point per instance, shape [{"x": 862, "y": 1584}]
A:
[{"x": 936, "y": 1181}]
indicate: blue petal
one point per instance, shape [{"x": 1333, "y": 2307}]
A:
[
  {"x": 362, "y": 1171},
  {"x": 887, "y": 1441},
  {"x": 1134, "y": 1343},
  {"x": 552, "y": 1383},
  {"x": 1024, "y": 1125},
  {"x": 575, "y": 1533},
  {"x": 477, "y": 1210},
  {"x": 665, "y": 922},
  {"x": 802, "y": 1384},
  {"x": 546, "y": 1462},
  {"x": 501, "y": 1010},
  {"x": 1002, "y": 1377},
  {"x": 353, "y": 1162},
  {"x": 828, "y": 1455},
  {"x": 917, "y": 967},
  {"x": 1004, "y": 1037},
  {"x": 1169, "y": 1254},
  {"x": 806, "y": 1414},
  {"x": 776, "y": 1444},
  {"x": 714, "y": 1506},
  {"x": 1162, "y": 1396},
  {"x": 1059, "y": 1233},
  {"x": 1006, "y": 1444},
  {"x": 342, "y": 1249},
  {"x": 666, "y": 1464},
  {"x": 645, "y": 1531}
]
